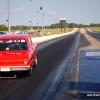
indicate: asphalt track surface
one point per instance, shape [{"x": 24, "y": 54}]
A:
[{"x": 50, "y": 56}]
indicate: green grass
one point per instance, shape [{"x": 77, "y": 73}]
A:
[
  {"x": 48, "y": 32},
  {"x": 55, "y": 31},
  {"x": 96, "y": 28}
]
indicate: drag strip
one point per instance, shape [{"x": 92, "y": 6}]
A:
[{"x": 51, "y": 71}]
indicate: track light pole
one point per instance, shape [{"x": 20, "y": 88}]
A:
[{"x": 9, "y": 16}]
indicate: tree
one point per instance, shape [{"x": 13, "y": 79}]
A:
[
  {"x": 3, "y": 27},
  {"x": 92, "y": 25},
  {"x": 72, "y": 25},
  {"x": 80, "y": 25}
]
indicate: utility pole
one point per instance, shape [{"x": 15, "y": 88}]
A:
[
  {"x": 42, "y": 20},
  {"x": 30, "y": 15},
  {"x": 37, "y": 20},
  {"x": 9, "y": 16},
  {"x": 43, "y": 25},
  {"x": 53, "y": 24},
  {"x": 48, "y": 22}
]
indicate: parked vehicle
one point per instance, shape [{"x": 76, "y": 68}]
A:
[
  {"x": 31, "y": 31},
  {"x": 2, "y": 33},
  {"x": 24, "y": 32},
  {"x": 17, "y": 53}
]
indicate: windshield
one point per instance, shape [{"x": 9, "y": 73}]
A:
[{"x": 13, "y": 44}]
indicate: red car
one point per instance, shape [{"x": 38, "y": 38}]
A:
[{"x": 17, "y": 53}]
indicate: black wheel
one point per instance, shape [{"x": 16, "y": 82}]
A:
[
  {"x": 35, "y": 63},
  {"x": 30, "y": 71}
]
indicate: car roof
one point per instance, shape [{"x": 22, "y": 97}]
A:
[{"x": 14, "y": 36}]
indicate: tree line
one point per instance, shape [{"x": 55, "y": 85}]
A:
[{"x": 56, "y": 25}]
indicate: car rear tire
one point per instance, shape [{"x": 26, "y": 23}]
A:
[
  {"x": 35, "y": 63},
  {"x": 30, "y": 71}
]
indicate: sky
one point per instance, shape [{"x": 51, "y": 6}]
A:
[{"x": 76, "y": 11}]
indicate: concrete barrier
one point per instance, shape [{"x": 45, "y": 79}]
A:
[{"x": 51, "y": 37}]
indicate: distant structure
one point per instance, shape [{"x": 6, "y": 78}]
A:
[{"x": 63, "y": 24}]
